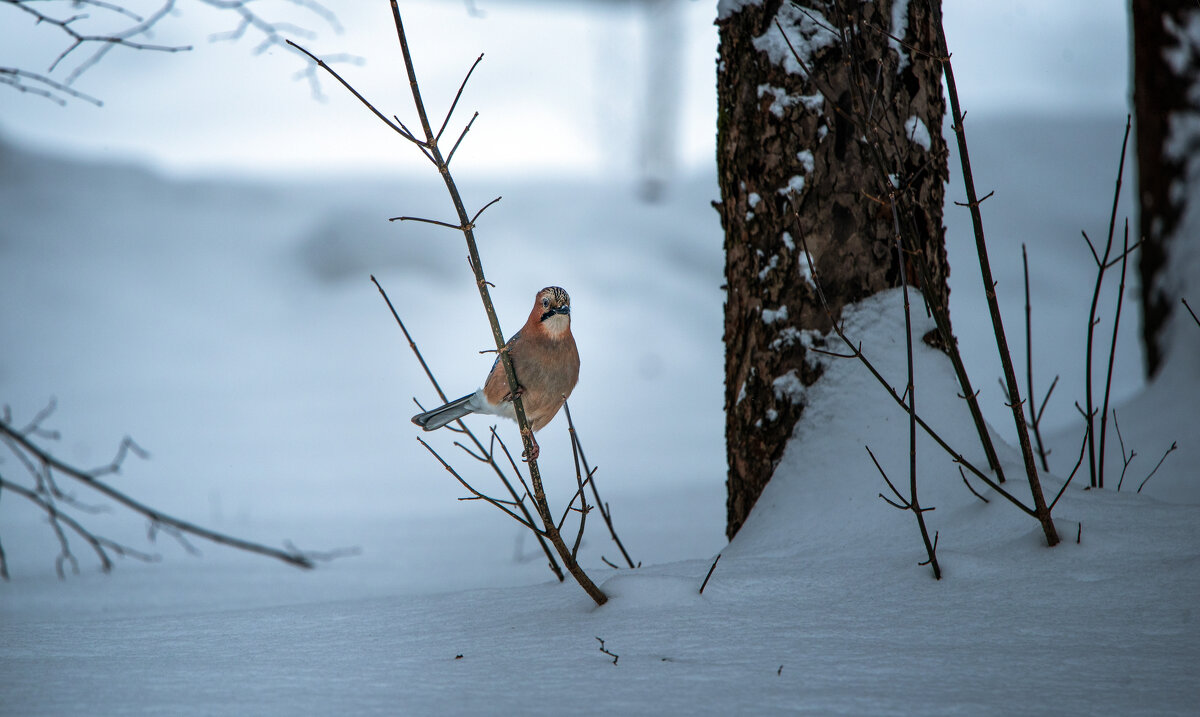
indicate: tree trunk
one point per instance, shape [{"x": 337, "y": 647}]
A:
[
  {"x": 781, "y": 140},
  {"x": 1166, "y": 100}
]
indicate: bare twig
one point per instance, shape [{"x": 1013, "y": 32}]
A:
[
  {"x": 129, "y": 26},
  {"x": 1174, "y": 445},
  {"x": 461, "y": 426},
  {"x": 970, "y": 487},
  {"x": 461, "y": 136},
  {"x": 448, "y": 225},
  {"x": 397, "y": 126},
  {"x": 1095, "y": 468},
  {"x": 710, "y": 572},
  {"x": 475, "y": 493},
  {"x": 911, "y": 391},
  {"x": 457, "y": 95},
  {"x": 939, "y": 313},
  {"x": 1034, "y": 414},
  {"x": 858, "y": 354},
  {"x": 584, "y": 509},
  {"x": 1075, "y": 470},
  {"x": 911, "y": 504},
  {"x": 43, "y": 466},
  {"x": 605, "y": 651},
  {"x": 1125, "y": 461},
  {"x": 1193, "y": 313},
  {"x": 1031, "y": 471},
  {"x": 431, "y": 149},
  {"x": 40, "y": 85},
  {"x": 605, "y": 511}
]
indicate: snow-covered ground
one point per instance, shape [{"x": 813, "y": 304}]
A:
[
  {"x": 232, "y": 330},
  {"x": 230, "y": 327}
]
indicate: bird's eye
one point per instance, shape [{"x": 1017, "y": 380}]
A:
[{"x": 545, "y": 303}]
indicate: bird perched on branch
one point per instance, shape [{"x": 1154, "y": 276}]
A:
[{"x": 545, "y": 360}]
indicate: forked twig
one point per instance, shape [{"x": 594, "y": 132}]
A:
[
  {"x": 119, "y": 27},
  {"x": 971, "y": 487},
  {"x": 857, "y": 353},
  {"x": 43, "y": 466},
  {"x": 457, "y": 95},
  {"x": 1041, "y": 511},
  {"x": 911, "y": 392},
  {"x": 1158, "y": 465},
  {"x": 475, "y": 493},
  {"x": 910, "y": 504},
  {"x": 605, "y": 511},
  {"x": 1125, "y": 461},
  {"x": 606, "y": 651},
  {"x": 1075, "y": 470},
  {"x": 431, "y": 149},
  {"x": 462, "y": 426},
  {"x": 1096, "y": 467}
]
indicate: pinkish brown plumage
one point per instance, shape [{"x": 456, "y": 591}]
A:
[{"x": 546, "y": 362}]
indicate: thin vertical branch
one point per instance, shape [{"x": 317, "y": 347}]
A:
[
  {"x": 1102, "y": 265},
  {"x": 1034, "y": 415},
  {"x": 973, "y": 201},
  {"x": 911, "y": 391},
  {"x": 708, "y": 575},
  {"x": 583, "y": 506},
  {"x": 535, "y": 476},
  {"x": 605, "y": 511},
  {"x": 1112, "y": 354},
  {"x": 902, "y": 503},
  {"x": 433, "y": 151},
  {"x": 1125, "y": 460}
]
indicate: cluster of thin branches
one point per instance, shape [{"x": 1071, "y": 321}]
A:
[
  {"x": 876, "y": 133},
  {"x": 850, "y": 27},
  {"x": 83, "y": 48},
  {"x": 1105, "y": 261},
  {"x": 547, "y": 528},
  {"x": 1093, "y": 447},
  {"x": 43, "y": 488},
  {"x": 516, "y": 505}
]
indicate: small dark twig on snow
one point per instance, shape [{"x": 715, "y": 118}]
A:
[{"x": 606, "y": 651}]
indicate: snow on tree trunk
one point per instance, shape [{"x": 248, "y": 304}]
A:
[
  {"x": 1166, "y": 96},
  {"x": 777, "y": 136}
]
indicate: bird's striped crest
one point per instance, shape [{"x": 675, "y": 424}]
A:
[
  {"x": 555, "y": 296},
  {"x": 552, "y": 309}
]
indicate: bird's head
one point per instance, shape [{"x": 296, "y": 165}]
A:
[{"x": 552, "y": 310}]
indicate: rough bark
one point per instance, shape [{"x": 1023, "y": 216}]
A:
[
  {"x": 1166, "y": 99},
  {"x": 780, "y": 139}
]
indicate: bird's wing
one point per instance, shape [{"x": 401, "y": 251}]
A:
[{"x": 509, "y": 344}]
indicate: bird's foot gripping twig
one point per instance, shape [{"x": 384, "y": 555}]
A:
[{"x": 534, "y": 449}]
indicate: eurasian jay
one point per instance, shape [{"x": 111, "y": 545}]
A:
[{"x": 545, "y": 360}]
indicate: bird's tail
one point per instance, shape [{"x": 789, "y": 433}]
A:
[{"x": 440, "y": 416}]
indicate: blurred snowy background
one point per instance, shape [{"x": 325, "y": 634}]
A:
[{"x": 189, "y": 265}]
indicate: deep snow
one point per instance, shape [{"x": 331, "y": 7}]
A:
[{"x": 231, "y": 329}]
